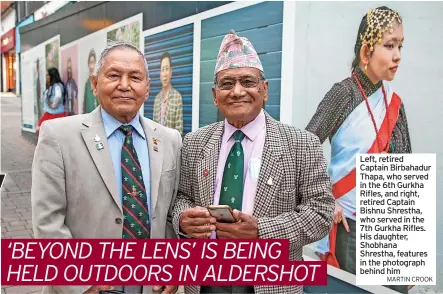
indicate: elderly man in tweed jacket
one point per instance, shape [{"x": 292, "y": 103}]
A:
[{"x": 283, "y": 190}]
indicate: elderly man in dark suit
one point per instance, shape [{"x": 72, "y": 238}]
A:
[{"x": 273, "y": 175}]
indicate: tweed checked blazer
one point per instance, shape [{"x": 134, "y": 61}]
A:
[{"x": 297, "y": 206}]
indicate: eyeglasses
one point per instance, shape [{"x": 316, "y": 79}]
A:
[{"x": 228, "y": 83}]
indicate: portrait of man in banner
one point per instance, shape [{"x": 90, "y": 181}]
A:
[
  {"x": 90, "y": 101},
  {"x": 168, "y": 104}
]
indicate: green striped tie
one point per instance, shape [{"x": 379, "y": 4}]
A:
[
  {"x": 231, "y": 192},
  {"x": 135, "y": 208}
]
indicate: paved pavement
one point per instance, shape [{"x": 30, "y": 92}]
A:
[{"x": 16, "y": 162}]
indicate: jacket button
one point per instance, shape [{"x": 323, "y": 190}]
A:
[{"x": 118, "y": 220}]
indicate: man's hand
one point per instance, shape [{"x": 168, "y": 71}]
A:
[
  {"x": 339, "y": 216},
  {"x": 166, "y": 289},
  {"x": 245, "y": 228},
  {"x": 97, "y": 289},
  {"x": 197, "y": 222}
]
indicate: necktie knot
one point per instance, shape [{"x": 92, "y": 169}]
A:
[
  {"x": 126, "y": 130},
  {"x": 239, "y": 136},
  {"x": 231, "y": 192}
]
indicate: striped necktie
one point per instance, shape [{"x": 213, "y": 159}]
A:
[{"x": 136, "y": 223}]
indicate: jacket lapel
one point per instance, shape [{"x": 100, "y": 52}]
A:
[
  {"x": 209, "y": 162},
  {"x": 93, "y": 126},
  {"x": 155, "y": 158},
  {"x": 270, "y": 171}
]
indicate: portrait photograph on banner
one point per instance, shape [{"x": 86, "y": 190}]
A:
[
  {"x": 170, "y": 59},
  {"x": 89, "y": 49},
  {"x": 33, "y": 61},
  {"x": 266, "y": 35},
  {"x": 69, "y": 75},
  {"x": 52, "y": 54},
  {"x": 128, "y": 33},
  {"x": 39, "y": 73},
  {"x": 128, "y": 30},
  {"x": 37, "y": 61}
]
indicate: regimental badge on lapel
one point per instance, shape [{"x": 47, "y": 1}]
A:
[
  {"x": 154, "y": 140},
  {"x": 98, "y": 144}
]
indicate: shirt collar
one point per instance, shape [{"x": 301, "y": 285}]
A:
[
  {"x": 366, "y": 82},
  {"x": 251, "y": 130},
  {"x": 111, "y": 124},
  {"x": 167, "y": 96}
]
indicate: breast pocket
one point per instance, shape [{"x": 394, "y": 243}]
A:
[
  {"x": 286, "y": 200},
  {"x": 289, "y": 181},
  {"x": 167, "y": 181},
  {"x": 288, "y": 186},
  {"x": 168, "y": 174}
]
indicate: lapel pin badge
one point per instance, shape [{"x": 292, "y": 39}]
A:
[
  {"x": 154, "y": 140},
  {"x": 205, "y": 172},
  {"x": 269, "y": 182},
  {"x": 99, "y": 146},
  {"x": 97, "y": 138}
]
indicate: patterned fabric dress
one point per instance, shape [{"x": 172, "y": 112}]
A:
[
  {"x": 341, "y": 100},
  {"x": 342, "y": 116}
]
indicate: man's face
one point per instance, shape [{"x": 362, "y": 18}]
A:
[
  {"x": 121, "y": 86},
  {"x": 240, "y": 93},
  {"x": 165, "y": 72},
  {"x": 69, "y": 70}
]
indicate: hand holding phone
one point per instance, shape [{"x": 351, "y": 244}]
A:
[
  {"x": 241, "y": 226},
  {"x": 194, "y": 222},
  {"x": 222, "y": 213}
]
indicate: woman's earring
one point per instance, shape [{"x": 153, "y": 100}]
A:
[{"x": 366, "y": 68}]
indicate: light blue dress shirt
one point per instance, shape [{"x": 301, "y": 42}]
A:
[{"x": 115, "y": 141}]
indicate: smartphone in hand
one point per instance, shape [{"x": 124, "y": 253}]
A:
[{"x": 222, "y": 213}]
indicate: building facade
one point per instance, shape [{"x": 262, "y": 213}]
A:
[
  {"x": 8, "y": 57},
  {"x": 14, "y": 14}
]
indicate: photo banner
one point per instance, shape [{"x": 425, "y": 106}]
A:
[
  {"x": 36, "y": 61},
  {"x": 265, "y": 34},
  {"x": 170, "y": 60},
  {"x": 69, "y": 74}
]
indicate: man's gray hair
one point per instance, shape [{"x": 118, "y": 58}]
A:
[{"x": 115, "y": 45}]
